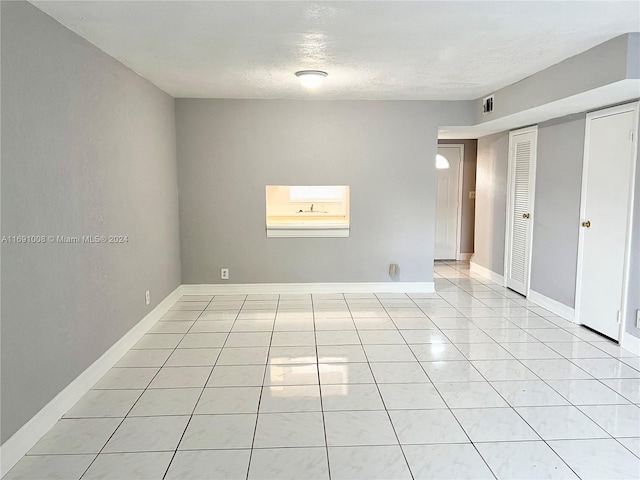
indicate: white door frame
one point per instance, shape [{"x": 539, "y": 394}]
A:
[
  {"x": 629, "y": 107},
  {"x": 460, "y": 199},
  {"x": 509, "y": 208}
]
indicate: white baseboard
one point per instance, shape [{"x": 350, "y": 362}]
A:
[
  {"x": 288, "y": 288},
  {"x": 552, "y": 305},
  {"x": 630, "y": 343},
  {"x": 24, "y": 439},
  {"x": 465, "y": 257},
  {"x": 486, "y": 273}
]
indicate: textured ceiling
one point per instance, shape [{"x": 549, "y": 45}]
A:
[{"x": 371, "y": 50}]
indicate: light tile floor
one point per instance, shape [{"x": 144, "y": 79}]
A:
[{"x": 472, "y": 382}]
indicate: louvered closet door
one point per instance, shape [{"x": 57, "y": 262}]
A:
[{"x": 522, "y": 160}]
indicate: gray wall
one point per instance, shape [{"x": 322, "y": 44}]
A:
[
  {"x": 604, "y": 64},
  {"x": 633, "y": 55},
  {"x": 491, "y": 197},
  {"x": 88, "y": 147},
  {"x": 557, "y": 208},
  {"x": 230, "y": 149},
  {"x": 468, "y": 185}
]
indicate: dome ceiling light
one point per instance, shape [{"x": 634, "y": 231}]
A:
[{"x": 311, "y": 78}]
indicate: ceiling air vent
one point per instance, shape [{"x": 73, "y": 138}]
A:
[{"x": 487, "y": 104}]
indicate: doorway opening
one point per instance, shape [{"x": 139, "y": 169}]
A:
[{"x": 455, "y": 164}]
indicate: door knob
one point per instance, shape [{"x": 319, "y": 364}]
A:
[
  {"x": 525, "y": 215},
  {"x": 586, "y": 224}
]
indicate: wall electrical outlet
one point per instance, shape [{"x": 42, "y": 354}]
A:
[
  {"x": 147, "y": 297},
  {"x": 472, "y": 194},
  {"x": 224, "y": 274},
  {"x": 637, "y": 318}
]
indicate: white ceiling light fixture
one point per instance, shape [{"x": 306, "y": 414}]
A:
[{"x": 311, "y": 78}]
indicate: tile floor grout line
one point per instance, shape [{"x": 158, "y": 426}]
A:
[
  {"x": 540, "y": 378},
  {"x": 545, "y": 381},
  {"x": 138, "y": 399},
  {"x": 512, "y": 408},
  {"x": 264, "y": 376},
  {"x": 522, "y": 418},
  {"x": 195, "y": 405},
  {"x": 324, "y": 423},
  {"x": 518, "y": 413},
  {"x": 617, "y": 439},
  {"x": 393, "y": 427},
  {"x": 446, "y": 405}
]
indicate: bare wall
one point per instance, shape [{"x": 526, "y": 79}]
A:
[
  {"x": 612, "y": 61},
  {"x": 491, "y": 198},
  {"x": 468, "y": 185},
  {"x": 88, "y": 148},
  {"x": 554, "y": 254},
  {"x": 229, "y": 150}
]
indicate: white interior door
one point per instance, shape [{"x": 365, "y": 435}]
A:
[
  {"x": 448, "y": 168},
  {"x": 519, "y": 231},
  {"x": 606, "y": 192}
]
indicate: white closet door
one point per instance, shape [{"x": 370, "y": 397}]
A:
[
  {"x": 522, "y": 164},
  {"x": 605, "y": 217}
]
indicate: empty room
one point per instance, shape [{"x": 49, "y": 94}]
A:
[{"x": 320, "y": 240}]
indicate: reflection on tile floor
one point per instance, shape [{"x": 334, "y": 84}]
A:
[{"x": 471, "y": 382}]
